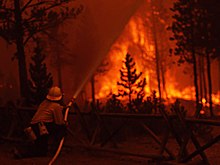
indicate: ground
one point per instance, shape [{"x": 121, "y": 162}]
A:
[
  {"x": 76, "y": 156},
  {"x": 131, "y": 138},
  {"x": 81, "y": 156}
]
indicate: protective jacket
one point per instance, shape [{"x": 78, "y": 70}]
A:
[{"x": 49, "y": 112}]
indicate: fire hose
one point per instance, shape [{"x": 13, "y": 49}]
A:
[{"x": 62, "y": 140}]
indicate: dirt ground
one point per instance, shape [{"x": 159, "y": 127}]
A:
[
  {"x": 127, "y": 142},
  {"x": 69, "y": 156},
  {"x": 81, "y": 156}
]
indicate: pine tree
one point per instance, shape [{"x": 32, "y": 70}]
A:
[
  {"x": 22, "y": 20},
  {"x": 130, "y": 82},
  {"x": 193, "y": 30},
  {"x": 40, "y": 81},
  {"x": 185, "y": 29}
]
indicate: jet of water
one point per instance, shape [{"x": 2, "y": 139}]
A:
[{"x": 91, "y": 35}]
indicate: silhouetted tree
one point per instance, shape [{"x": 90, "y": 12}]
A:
[
  {"x": 21, "y": 21},
  {"x": 138, "y": 102},
  {"x": 194, "y": 31},
  {"x": 130, "y": 81},
  {"x": 160, "y": 18},
  {"x": 184, "y": 28},
  {"x": 57, "y": 44},
  {"x": 157, "y": 56},
  {"x": 210, "y": 42},
  {"x": 213, "y": 13},
  {"x": 40, "y": 81}
]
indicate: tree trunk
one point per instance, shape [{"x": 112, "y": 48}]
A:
[
  {"x": 93, "y": 89},
  {"x": 209, "y": 83},
  {"x": 196, "y": 82},
  {"x": 198, "y": 107},
  {"x": 204, "y": 79},
  {"x": 200, "y": 77},
  {"x": 156, "y": 52},
  {"x": 130, "y": 98},
  {"x": 219, "y": 78},
  {"x": 163, "y": 79},
  {"x": 158, "y": 69},
  {"x": 20, "y": 51}
]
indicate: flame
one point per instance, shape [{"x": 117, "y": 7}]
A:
[{"x": 136, "y": 40}]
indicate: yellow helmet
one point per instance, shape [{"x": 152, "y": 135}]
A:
[{"x": 54, "y": 94}]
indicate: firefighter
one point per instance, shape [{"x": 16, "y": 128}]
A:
[{"x": 47, "y": 121}]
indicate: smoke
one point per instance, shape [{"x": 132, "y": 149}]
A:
[{"x": 91, "y": 35}]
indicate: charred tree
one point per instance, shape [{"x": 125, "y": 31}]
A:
[
  {"x": 209, "y": 83},
  {"x": 159, "y": 18},
  {"x": 21, "y": 21},
  {"x": 203, "y": 27},
  {"x": 93, "y": 89},
  {"x": 209, "y": 12},
  {"x": 20, "y": 48},
  {"x": 202, "y": 78},
  {"x": 209, "y": 39},
  {"x": 211, "y": 25},
  {"x": 41, "y": 81},
  {"x": 184, "y": 30},
  {"x": 157, "y": 57},
  {"x": 59, "y": 51},
  {"x": 194, "y": 61},
  {"x": 206, "y": 40},
  {"x": 219, "y": 77},
  {"x": 130, "y": 82}
]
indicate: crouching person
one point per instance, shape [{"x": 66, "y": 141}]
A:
[{"x": 48, "y": 121}]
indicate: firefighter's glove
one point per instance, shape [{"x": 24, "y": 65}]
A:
[{"x": 73, "y": 100}]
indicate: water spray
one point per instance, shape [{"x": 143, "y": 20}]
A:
[
  {"x": 103, "y": 31},
  {"x": 72, "y": 101}
]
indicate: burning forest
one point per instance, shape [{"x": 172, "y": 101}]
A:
[
  {"x": 125, "y": 73},
  {"x": 147, "y": 39},
  {"x": 145, "y": 33}
]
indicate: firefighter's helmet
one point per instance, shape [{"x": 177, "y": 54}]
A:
[{"x": 54, "y": 94}]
